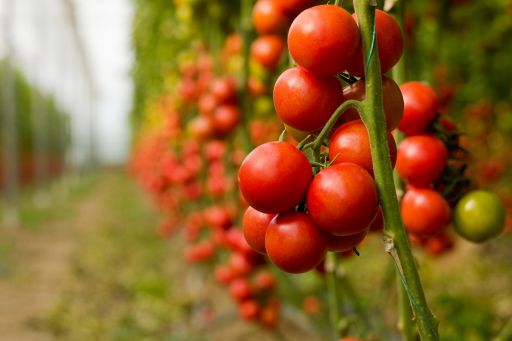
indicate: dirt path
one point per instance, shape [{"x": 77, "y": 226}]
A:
[{"x": 41, "y": 264}]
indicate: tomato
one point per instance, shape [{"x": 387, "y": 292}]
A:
[
  {"x": 294, "y": 6},
  {"x": 223, "y": 274},
  {"x": 201, "y": 127},
  {"x": 269, "y": 18},
  {"x": 207, "y": 104},
  {"x": 342, "y": 199},
  {"x": 224, "y": 90},
  {"x": 226, "y": 118},
  {"x": 345, "y": 243},
  {"x": 350, "y": 143},
  {"x": 240, "y": 289},
  {"x": 294, "y": 243},
  {"x": 424, "y": 211},
  {"x": 323, "y": 39},
  {"x": 421, "y": 159},
  {"x": 270, "y": 314},
  {"x": 305, "y": 101},
  {"x": 479, "y": 216},
  {"x": 438, "y": 244},
  {"x": 249, "y": 310},
  {"x": 274, "y": 177},
  {"x": 265, "y": 281},
  {"x": 267, "y": 51},
  {"x": 392, "y": 101},
  {"x": 378, "y": 221},
  {"x": 254, "y": 226},
  {"x": 389, "y": 42},
  {"x": 256, "y": 87},
  {"x": 420, "y": 107}
]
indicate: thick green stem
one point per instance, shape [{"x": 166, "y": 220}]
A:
[
  {"x": 334, "y": 313},
  {"x": 246, "y": 32},
  {"x": 397, "y": 244}
]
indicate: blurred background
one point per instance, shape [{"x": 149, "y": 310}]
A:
[{"x": 95, "y": 111}]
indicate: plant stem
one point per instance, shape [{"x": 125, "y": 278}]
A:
[
  {"x": 334, "y": 314},
  {"x": 397, "y": 244},
  {"x": 246, "y": 32}
]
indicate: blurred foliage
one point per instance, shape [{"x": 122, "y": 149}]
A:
[
  {"x": 26, "y": 95},
  {"x": 162, "y": 30}
]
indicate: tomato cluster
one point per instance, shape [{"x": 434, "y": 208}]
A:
[{"x": 303, "y": 205}]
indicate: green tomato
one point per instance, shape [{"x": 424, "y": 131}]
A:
[{"x": 479, "y": 216}]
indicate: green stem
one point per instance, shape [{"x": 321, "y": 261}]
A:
[
  {"x": 397, "y": 244},
  {"x": 246, "y": 31},
  {"x": 351, "y": 103},
  {"x": 334, "y": 313}
]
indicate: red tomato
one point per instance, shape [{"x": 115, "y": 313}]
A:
[
  {"x": 274, "y": 177},
  {"x": 270, "y": 314},
  {"x": 256, "y": 87},
  {"x": 226, "y": 118},
  {"x": 420, "y": 107},
  {"x": 294, "y": 6},
  {"x": 207, "y": 104},
  {"x": 305, "y": 101},
  {"x": 267, "y": 51},
  {"x": 224, "y": 90},
  {"x": 342, "y": 199},
  {"x": 240, "y": 289},
  {"x": 254, "y": 226},
  {"x": 392, "y": 101},
  {"x": 345, "y": 243},
  {"x": 425, "y": 211},
  {"x": 264, "y": 281},
  {"x": 421, "y": 159},
  {"x": 378, "y": 221},
  {"x": 249, "y": 310},
  {"x": 323, "y": 39},
  {"x": 269, "y": 18},
  {"x": 224, "y": 274},
  {"x": 201, "y": 127},
  {"x": 389, "y": 42},
  {"x": 350, "y": 143},
  {"x": 294, "y": 243}
]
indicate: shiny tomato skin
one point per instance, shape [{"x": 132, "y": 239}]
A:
[
  {"x": 305, "y": 101},
  {"x": 392, "y": 101},
  {"x": 345, "y": 243},
  {"x": 267, "y": 51},
  {"x": 420, "y": 107},
  {"x": 421, "y": 159},
  {"x": 342, "y": 199},
  {"x": 389, "y": 42},
  {"x": 425, "y": 211},
  {"x": 323, "y": 39},
  {"x": 225, "y": 118},
  {"x": 378, "y": 221},
  {"x": 479, "y": 216},
  {"x": 269, "y": 18},
  {"x": 350, "y": 143},
  {"x": 294, "y": 243},
  {"x": 294, "y": 6},
  {"x": 254, "y": 226},
  {"x": 274, "y": 177}
]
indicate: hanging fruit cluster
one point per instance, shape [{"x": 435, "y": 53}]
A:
[
  {"x": 308, "y": 199},
  {"x": 432, "y": 163}
]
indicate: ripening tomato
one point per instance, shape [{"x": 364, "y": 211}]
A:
[
  {"x": 305, "y": 101},
  {"x": 269, "y": 18},
  {"x": 350, "y": 143},
  {"x": 225, "y": 118},
  {"x": 249, "y": 310},
  {"x": 389, "y": 42},
  {"x": 269, "y": 315},
  {"x": 224, "y": 90},
  {"x": 421, "y": 159},
  {"x": 294, "y": 243},
  {"x": 392, "y": 101},
  {"x": 345, "y": 243},
  {"x": 274, "y": 177},
  {"x": 254, "y": 226},
  {"x": 342, "y": 199},
  {"x": 323, "y": 39},
  {"x": 240, "y": 289},
  {"x": 425, "y": 211},
  {"x": 294, "y": 6},
  {"x": 420, "y": 107},
  {"x": 479, "y": 216},
  {"x": 267, "y": 51}
]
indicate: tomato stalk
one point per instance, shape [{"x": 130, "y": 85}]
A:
[
  {"x": 334, "y": 313},
  {"x": 246, "y": 32},
  {"x": 396, "y": 241},
  {"x": 405, "y": 319}
]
